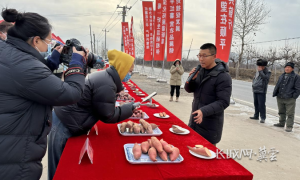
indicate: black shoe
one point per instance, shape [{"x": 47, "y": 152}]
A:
[
  {"x": 254, "y": 118},
  {"x": 262, "y": 121},
  {"x": 279, "y": 125},
  {"x": 289, "y": 129}
]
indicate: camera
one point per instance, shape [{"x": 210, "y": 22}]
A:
[{"x": 66, "y": 54}]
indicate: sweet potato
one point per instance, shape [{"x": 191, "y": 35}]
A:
[
  {"x": 201, "y": 151},
  {"x": 136, "y": 128},
  {"x": 176, "y": 129},
  {"x": 150, "y": 142},
  {"x": 145, "y": 147},
  {"x": 152, "y": 154},
  {"x": 167, "y": 147},
  {"x": 161, "y": 114},
  {"x": 142, "y": 129},
  {"x": 163, "y": 155},
  {"x": 147, "y": 126},
  {"x": 123, "y": 127},
  {"x": 153, "y": 125},
  {"x": 164, "y": 114},
  {"x": 175, "y": 154},
  {"x": 129, "y": 124},
  {"x": 137, "y": 151},
  {"x": 157, "y": 144}
]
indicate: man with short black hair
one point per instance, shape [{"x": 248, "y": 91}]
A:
[
  {"x": 259, "y": 87},
  {"x": 212, "y": 88},
  {"x": 287, "y": 91},
  {"x": 4, "y": 26}
]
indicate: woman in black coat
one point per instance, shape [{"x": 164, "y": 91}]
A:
[{"x": 28, "y": 91}]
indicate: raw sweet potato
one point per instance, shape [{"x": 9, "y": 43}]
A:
[
  {"x": 161, "y": 115},
  {"x": 164, "y": 114},
  {"x": 137, "y": 151},
  {"x": 152, "y": 154},
  {"x": 201, "y": 151},
  {"x": 142, "y": 129},
  {"x": 174, "y": 155},
  {"x": 129, "y": 124},
  {"x": 150, "y": 142},
  {"x": 157, "y": 144},
  {"x": 153, "y": 125},
  {"x": 136, "y": 128},
  {"x": 145, "y": 147},
  {"x": 147, "y": 126},
  {"x": 167, "y": 147},
  {"x": 123, "y": 127},
  {"x": 163, "y": 155}
]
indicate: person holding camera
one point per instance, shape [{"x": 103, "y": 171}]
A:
[
  {"x": 28, "y": 92},
  {"x": 259, "y": 87},
  {"x": 97, "y": 103},
  {"x": 175, "y": 80}
]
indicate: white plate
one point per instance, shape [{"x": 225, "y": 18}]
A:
[
  {"x": 157, "y": 115},
  {"x": 146, "y": 117},
  {"x": 184, "y": 133},
  {"x": 144, "y": 159},
  {"x": 213, "y": 155},
  {"x": 156, "y": 132}
]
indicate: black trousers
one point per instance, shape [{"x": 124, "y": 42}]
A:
[
  {"x": 260, "y": 105},
  {"x": 177, "y": 90}
]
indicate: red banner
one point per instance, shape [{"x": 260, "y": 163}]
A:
[
  {"x": 160, "y": 30},
  {"x": 174, "y": 27},
  {"x": 125, "y": 33},
  {"x": 148, "y": 30},
  {"x": 131, "y": 40},
  {"x": 224, "y": 28}
]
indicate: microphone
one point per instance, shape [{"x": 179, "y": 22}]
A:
[{"x": 192, "y": 75}]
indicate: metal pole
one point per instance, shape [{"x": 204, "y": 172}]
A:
[
  {"x": 94, "y": 43},
  {"x": 123, "y": 20},
  {"x": 91, "y": 38}
]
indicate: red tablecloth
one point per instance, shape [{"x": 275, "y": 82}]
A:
[{"x": 110, "y": 161}]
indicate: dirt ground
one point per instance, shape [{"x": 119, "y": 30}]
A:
[{"x": 241, "y": 133}]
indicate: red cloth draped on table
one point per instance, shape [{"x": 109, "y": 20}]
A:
[{"x": 110, "y": 162}]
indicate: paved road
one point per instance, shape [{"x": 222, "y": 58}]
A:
[{"x": 241, "y": 92}]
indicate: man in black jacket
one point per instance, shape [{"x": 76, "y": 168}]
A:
[
  {"x": 287, "y": 91},
  {"x": 212, "y": 90},
  {"x": 97, "y": 103},
  {"x": 259, "y": 87}
]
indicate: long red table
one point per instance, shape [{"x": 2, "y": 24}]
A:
[{"x": 110, "y": 162}]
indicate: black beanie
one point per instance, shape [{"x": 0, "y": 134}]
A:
[{"x": 290, "y": 64}]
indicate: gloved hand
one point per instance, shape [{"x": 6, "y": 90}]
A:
[
  {"x": 135, "y": 105},
  {"x": 79, "y": 58},
  {"x": 53, "y": 60}
]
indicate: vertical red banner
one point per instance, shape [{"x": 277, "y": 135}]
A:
[
  {"x": 131, "y": 40},
  {"x": 224, "y": 28},
  {"x": 160, "y": 29},
  {"x": 125, "y": 32},
  {"x": 174, "y": 24},
  {"x": 148, "y": 30}
]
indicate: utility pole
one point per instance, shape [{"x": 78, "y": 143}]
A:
[
  {"x": 124, "y": 8},
  {"x": 105, "y": 43},
  {"x": 91, "y": 38},
  {"x": 97, "y": 47},
  {"x": 94, "y": 43}
]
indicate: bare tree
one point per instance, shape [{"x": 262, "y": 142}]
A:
[
  {"x": 249, "y": 16},
  {"x": 139, "y": 40}
]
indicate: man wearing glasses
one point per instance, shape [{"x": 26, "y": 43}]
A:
[{"x": 212, "y": 88}]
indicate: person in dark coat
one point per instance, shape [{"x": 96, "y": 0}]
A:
[
  {"x": 28, "y": 92},
  {"x": 287, "y": 90},
  {"x": 259, "y": 87},
  {"x": 4, "y": 26},
  {"x": 212, "y": 87},
  {"x": 97, "y": 103}
]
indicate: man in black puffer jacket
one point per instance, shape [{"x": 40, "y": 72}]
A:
[
  {"x": 97, "y": 103},
  {"x": 212, "y": 90},
  {"x": 259, "y": 87}
]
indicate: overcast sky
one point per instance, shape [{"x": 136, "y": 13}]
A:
[{"x": 71, "y": 19}]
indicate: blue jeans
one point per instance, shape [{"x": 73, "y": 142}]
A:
[{"x": 57, "y": 140}]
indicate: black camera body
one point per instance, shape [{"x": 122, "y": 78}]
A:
[{"x": 66, "y": 54}]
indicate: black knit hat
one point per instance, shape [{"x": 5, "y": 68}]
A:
[
  {"x": 290, "y": 64},
  {"x": 261, "y": 62}
]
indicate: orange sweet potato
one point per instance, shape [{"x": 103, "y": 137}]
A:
[
  {"x": 167, "y": 147},
  {"x": 153, "y": 125},
  {"x": 137, "y": 151},
  {"x": 145, "y": 147},
  {"x": 157, "y": 144},
  {"x": 150, "y": 142},
  {"x": 136, "y": 128},
  {"x": 164, "y": 114},
  {"x": 175, "y": 153},
  {"x": 142, "y": 129},
  {"x": 201, "y": 151},
  {"x": 123, "y": 127},
  {"x": 152, "y": 154},
  {"x": 161, "y": 114},
  {"x": 147, "y": 126},
  {"x": 163, "y": 155}
]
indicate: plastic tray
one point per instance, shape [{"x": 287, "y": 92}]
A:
[
  {"x": 156, "y": 132},
  {"x": 146, "y": 117}
]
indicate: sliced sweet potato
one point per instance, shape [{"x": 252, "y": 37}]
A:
[
  {"x": 137, "y": 151},
  {"x": 175, "y": 154},
  {"x": 201, "y": 151}
]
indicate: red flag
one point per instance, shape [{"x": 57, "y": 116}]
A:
[
  {"x": 60, "y": 39},
  {"x": 148, "y": 30},
  {"x": 131, "y": 40},
  {"x": 160, "y": 30},
  {"x": 224, "y": 28},
  {"x": 125, "y": 37},
  {"x": 174, "y": 23}
]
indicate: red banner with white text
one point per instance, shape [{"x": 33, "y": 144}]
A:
[
  {"x": 174, "y": 28},
  {"x": 160, "y": 30},
  {"x": 148, "y": 30},
  {"x": 131, "y": 40},
  {"x": 224, "y": 28},
  {"x": 125, "y": 33}
]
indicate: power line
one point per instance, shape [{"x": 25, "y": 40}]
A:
[
  {"x": 115, "y": 24},
  {"x": 134, "y": 3},
  {"x": 127, "y": 2},
  {"x": 112, "y": 22},
  {"x": 271, "y": 41}
]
